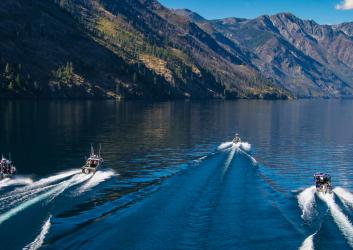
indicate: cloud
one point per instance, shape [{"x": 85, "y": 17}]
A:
[{"x": 345, "y": 5}]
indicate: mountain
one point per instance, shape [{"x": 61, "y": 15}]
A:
[
  {"x": 126, "y": 48},
  {"x": 139, "y": 49},
  {"x": 303, "y": 57},
  {"x": 346, "y": 28}
]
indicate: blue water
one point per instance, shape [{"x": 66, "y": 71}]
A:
[{"x": 167, "y": 184}]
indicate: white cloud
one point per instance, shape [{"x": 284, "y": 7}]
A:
[{"x": 345, "y": 5}]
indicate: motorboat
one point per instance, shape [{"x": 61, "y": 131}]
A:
[
  {"x": 7, "y": 169},
  {"x": 238, "y": 143},
  {"x": 236, "y": 139},
  {"x": 323, "y": 183},
  {"x": 93, "y": 162}
]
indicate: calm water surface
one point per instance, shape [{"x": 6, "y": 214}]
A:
[{"x": 166, "y": 183}]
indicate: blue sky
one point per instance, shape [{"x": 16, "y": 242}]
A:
[{"x": 322, "y": 11}]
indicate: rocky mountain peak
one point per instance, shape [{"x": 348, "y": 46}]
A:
[{"x": 190, "y": 15}]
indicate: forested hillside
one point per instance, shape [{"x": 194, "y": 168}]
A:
[{"x": 139, "y": 49}]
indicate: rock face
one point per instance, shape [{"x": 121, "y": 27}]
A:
[
  {"x": 346, "y": 28},
  {"x": 140, "y": 49},
  {"x": 307, "y": 59}
]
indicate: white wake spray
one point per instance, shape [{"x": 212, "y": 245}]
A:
[
  {"x": 341, "y": 220},
  {"x": 345, "y": 196},
  {"x": 22, "y": 193},
  {"x": 58, "y": 189},
  {"x": 253, "y": 160},
  {"x": 38, "y": 242},
  {"x": 75, "y": 180},
  {"x": 49, "y": 180},
  {"x": 306, "y": 201},
  {"x": 308, "y": 243},
  {"x": 245, "y": 146},
  {"x": 229, "y": 160},
  {"x": 99, "y": 177},
  {"x": 8, "y": 202},
  {"x": 225, "y": 145},
  {"x": 15, "y": 182}
]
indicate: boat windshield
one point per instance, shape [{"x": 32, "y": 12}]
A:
[
  {"x": 322, "y": 179},
  {"x": 92, "y": 163}
]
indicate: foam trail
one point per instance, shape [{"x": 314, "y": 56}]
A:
[
  {"x": 3, "y": 182},
  {"x": 341, "y": 220},
  {"x": 245, "y": 146},
  {"x": 10, "y": 201},
  {"x": 38, "y": 242},
  {"x": 225, "y": 145},
  {"x": 15, "y": 182},
  {"x": 306, "y": 201},
  {"x": 72, "y": 182},
  {"x": 98, "y": 178},
  {"x": 308, "y": 243},
  {"x": 53, "y": 192},
  {"x": 253, "y": 160},
  {"x": 200, "y": 159},
  {"x": 16, "y": 195},
  {"x": 22, "y": 191},
  {"x": 345, "y": 196},
  {"x": 49, "y": 180},
  {"x": 229, "y": 160}
]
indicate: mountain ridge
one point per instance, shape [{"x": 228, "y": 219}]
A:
[{"x": 139, "y": 49}]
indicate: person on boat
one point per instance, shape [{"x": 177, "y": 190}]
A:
[
  {"x": 91, "y": 164},
  {"x": 236, "y": 138}
]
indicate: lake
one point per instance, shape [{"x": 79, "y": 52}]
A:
[{"x": 170, "y": 180}]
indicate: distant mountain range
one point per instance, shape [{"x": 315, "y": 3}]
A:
[{"x": 139, "y": 49}]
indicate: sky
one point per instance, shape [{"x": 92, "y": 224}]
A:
[{"x": 321, "y": 11}]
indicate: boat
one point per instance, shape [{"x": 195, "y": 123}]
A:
[
  {"x": 93, "y": 162},
  {"x": 7, "y": 169},
  {"x": 236, "y": 139},
  {"x": 238, "y": 143},
  {"x": 323, "y": 183}
]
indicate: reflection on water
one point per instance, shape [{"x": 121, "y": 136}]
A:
[{"x": 152, "y": 151}]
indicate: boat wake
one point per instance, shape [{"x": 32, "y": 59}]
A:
[
  {"x": 225, "y": 145},
  {"x": 9, "y": 201},
  {"x": 308, "y": 243},
  {"x": 242, "y": 147},
  {"x": 245, "y": 146},
  {"x": 340, "y": 219},
  {"x": 53, "y": 192},
  {"x": 49, "y": 180},
  {"x": 15, "y": 182},
  {"x": 23, "y": 193},
  {"x": 99, "y": 177},
  {"x": 306, "y": 201},
  {"x": 253, "y": 160},
  {"x": 229, "y": 160},
  {"x": 345, "y": 196},
  {"x": 38, "y": 242}
]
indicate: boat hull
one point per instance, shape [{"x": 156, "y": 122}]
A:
[
  {"x": 89, "y": 170},
  {"x": 325, "y": 189}
]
